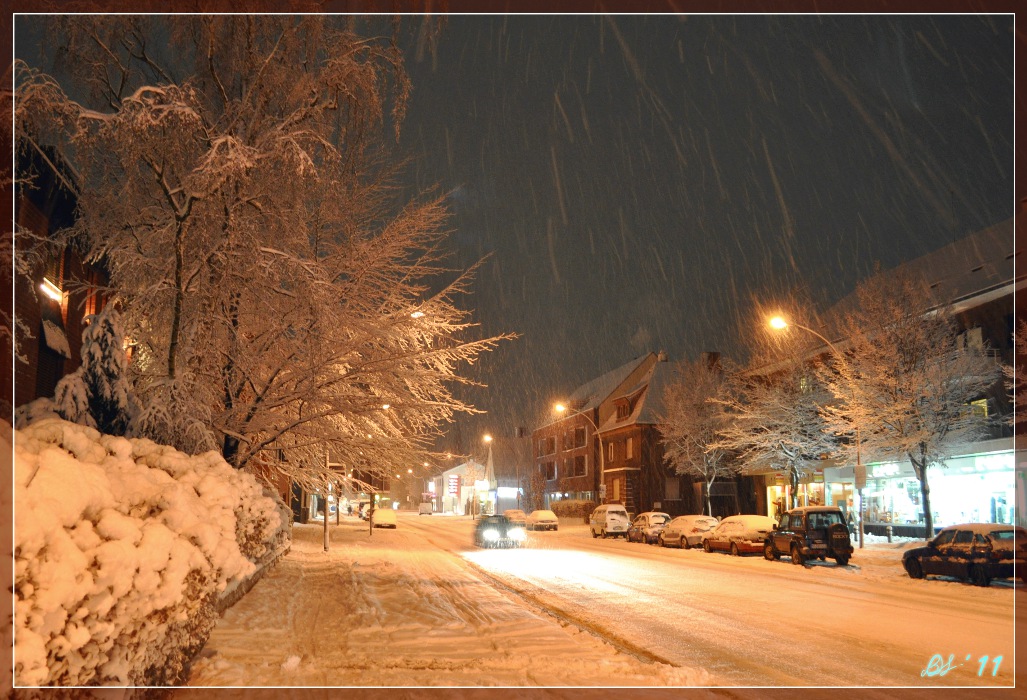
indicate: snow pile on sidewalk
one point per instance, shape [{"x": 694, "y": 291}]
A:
[{"x": 122, "y": 550}]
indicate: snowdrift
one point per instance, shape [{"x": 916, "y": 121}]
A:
[{"x": 123, "y": 550}]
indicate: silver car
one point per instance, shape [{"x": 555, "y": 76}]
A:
[{"x": 687, "y": 530}]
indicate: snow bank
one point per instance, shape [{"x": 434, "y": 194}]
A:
[{"x": 122, "y": 550}]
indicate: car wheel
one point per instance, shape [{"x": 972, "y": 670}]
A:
[
  {"x": 602, "y": 533},
  {"x": 913, "y": 568},
  {"x": 684, "y": 543},
  {"x": 769, "y": 553},
  {"x": 706, "y": 547},
  {"x": 594, "y": 534},
  {"x": 979, "y": 576},
  {"x": 842, "y": 559},
  {"x": 660, "y": 541},
  {"x": 797, "y": 557},
  {"x": 734, "y": 549}
]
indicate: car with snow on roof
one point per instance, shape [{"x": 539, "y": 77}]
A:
[
  {"x": 810, "y": 532},
  {"x": 739, "y": 534},
  {"x": 541, "y": 520},
  {"x": 976, "y": 552},
  {"x": 646, "y": 527},
  {"x": 686, "y": 531}
]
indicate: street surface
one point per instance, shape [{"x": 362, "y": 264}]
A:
[
  {"x": 421, "y": 606},
  {"x": 752, "y": 622}
]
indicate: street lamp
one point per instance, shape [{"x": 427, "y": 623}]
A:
[
  {"x": 779, "y": 323},
  {"x": 561, "y": 408}
]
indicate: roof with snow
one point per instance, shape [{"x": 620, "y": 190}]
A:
[
  {"x": 964, "y": 273},
  {"x": 590, "y": 395},
  {"x": 646, "y": 398}
]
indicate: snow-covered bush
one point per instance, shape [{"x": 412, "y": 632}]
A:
[
  {"x": 572, "y": 508},
  {"x": 122, "y": 550}
]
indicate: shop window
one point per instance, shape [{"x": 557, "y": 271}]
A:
[{"x": 979, "y": 408}]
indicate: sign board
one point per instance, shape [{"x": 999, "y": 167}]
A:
[
  {"x": 861, "y": 476},
  {"x": 602, "y": 490},
  {"x": 454, "y": 484}
]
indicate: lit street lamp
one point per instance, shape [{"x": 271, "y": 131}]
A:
[
  {"x": 561, "y": 408},
  {"x": 779, "y": 323}
]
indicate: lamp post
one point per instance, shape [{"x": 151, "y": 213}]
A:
[
  {"x": 561, "y": 408},
  {"x": 779, "y": 323}
]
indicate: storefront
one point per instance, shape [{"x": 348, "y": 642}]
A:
[
  {"x": 978, "y": 487},
  {"x": 975, "y": 488},
  {"x": 811, "y": 492}
]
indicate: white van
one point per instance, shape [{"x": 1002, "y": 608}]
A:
[{"x": 609, "y": 520}]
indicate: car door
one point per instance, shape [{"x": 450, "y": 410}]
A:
[
  {"x": 933, "y": 560},
  {"x": 957, "y": 559},
  {"x": 782, "y": 536}
]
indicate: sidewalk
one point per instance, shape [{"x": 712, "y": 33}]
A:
[{"x": 389, "y": 610}]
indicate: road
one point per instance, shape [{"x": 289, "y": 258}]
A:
[{"x": 751, "y": 622}]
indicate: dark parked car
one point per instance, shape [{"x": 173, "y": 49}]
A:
[
  {"x": 498, "y": 531},
  {"x": 646, "y": 527},
  {"x": 813, "y": 532},
  {"x": 972, "y": 552}
]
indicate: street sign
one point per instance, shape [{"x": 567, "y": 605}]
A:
[{"x": 602, "y": 490}]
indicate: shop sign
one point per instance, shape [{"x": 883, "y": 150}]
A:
[
  {"x": 454, "y": 484},
  {"x": 880, "y": 471}
]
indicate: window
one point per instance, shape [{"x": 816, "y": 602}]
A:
[
  {"x": 609, "y": 452},
  {"x": 629, "y": 450},
  {"x": 672, "y": 489},
  {"x": 547, "y": 446},
  {"x": 963, "y": 537},
  {"x": 623, "y": 409},
  {"x": 616, "y": 489},
  {"x": 979, "y": 408},
  {"x": 579, "y": 465},
  {"x": 944, "y": 538},
  {"x": 550, "y": 471},
  {"x": 579, "y": 437}
]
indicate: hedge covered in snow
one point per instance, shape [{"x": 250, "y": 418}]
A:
[{"x": 123, "y": 549}]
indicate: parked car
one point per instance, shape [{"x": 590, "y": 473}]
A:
[
  {"x": 973, "y": 552},
  {"x": 646, "y": 527},
  {"x": 383, "y": 517},
  {"x": 516, "y": 516},
  {"x": 739, "y": 534},
  {"x": 498, "y": 531},
  {"x": 687, "y": 530},
  {"x": 810, "y": 532},
  {"x": 610, "y": 520},
  {"x": 541, "y": 520}
]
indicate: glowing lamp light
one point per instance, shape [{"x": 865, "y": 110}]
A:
[
  {"x": 51, "y": 290},
  {"x": 560, "y": 408},
  {"x": 385, "y": 407},
  {"x": 778, "y": 323},
  {"x": 417, "y": 314}
]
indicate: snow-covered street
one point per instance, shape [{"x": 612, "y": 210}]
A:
[{"x": 420, "y": 606}]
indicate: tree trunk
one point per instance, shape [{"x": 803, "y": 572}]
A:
[
  {"x": 793, "y": 478},
  {"x": 920, "y": 469}
]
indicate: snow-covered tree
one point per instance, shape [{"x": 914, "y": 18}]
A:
[
  {"x": 1016, "y": 377},
  {"x": 692, "y": 421},
  {"x": 775, "y": 422},
  {"x": 237, "y": 183},
  {"x": 98, "y": 393},
  {"x": 907, "y": 381}
]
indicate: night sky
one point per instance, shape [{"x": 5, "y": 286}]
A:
[{"x": 639, "y": 180}]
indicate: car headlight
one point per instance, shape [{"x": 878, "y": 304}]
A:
[
  {"x": 490, "y": 535},
  {"x": 515, "y": 533}
]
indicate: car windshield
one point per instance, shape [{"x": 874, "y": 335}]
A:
[{"x": 660, "y": 519}]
